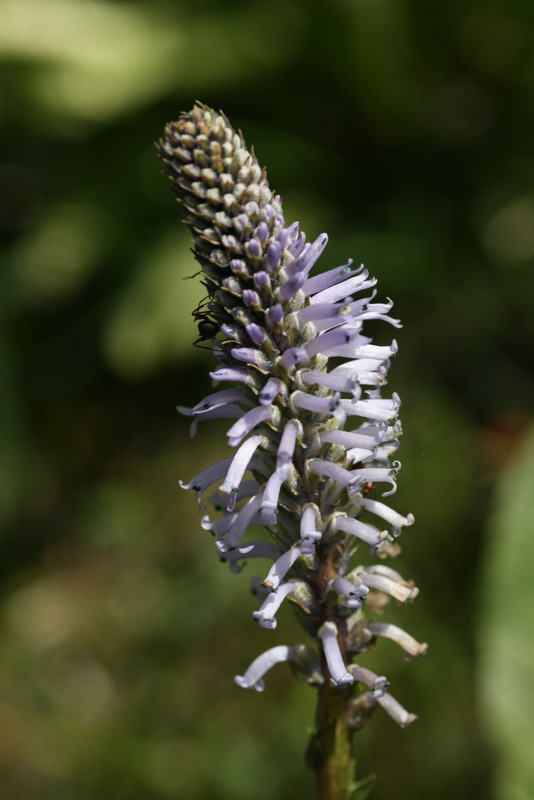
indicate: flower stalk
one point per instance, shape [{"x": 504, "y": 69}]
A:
[
  {"x": 313, "y": 436},
  {"x": 335, "y": 765}
]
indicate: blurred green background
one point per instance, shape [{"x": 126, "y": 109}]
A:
[{"x": 406, "y": 130}]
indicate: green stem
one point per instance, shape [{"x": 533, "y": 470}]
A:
[
  {"x": 331, "y": 745},
  {"x": 335, "y": 763}
]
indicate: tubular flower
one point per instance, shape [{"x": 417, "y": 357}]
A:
[{"x": 311, "y": 431}]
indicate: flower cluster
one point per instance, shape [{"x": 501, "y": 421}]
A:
[{"x": 314, "y": 436}]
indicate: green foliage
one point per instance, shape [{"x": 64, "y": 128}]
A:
[
  {"x": 363, "y": 788},
  {"x": 506, "y": 628}
]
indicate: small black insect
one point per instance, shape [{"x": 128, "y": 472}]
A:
[{"x": 207, "y": 328}]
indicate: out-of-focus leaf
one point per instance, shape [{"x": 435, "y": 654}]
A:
[
  {"x": 509, "y": 235},
  {"x": 98, "y": 60},
  {"x": 95, "y": 59},
  {"x": 14, "y": 453},
  {"x": 507, "y": 628},
  {"x": 56, "y": 256},
  {"x": 362, "y": 788},
  {"x": 152, "y": 322}
]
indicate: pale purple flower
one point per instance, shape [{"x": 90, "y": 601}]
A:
[
  {"x": 350, "y": 594},
  {"x": 375, "y": 682},
  {"x": 309, "y": 536},
  {"x": 266, "y": 614},
  {"x": 299, "y": 655},
  {"x": 281, "y": 567},
  {"x": 395, "y": 710},
  {"x": 338, "y": 672},
  {"x": 313, "y": 437},
  {"x": 367, "y": 533},
  {"x": 411, "y": 646}
]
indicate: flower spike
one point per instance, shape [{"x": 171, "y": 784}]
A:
[{"x": 313, "y": 437}]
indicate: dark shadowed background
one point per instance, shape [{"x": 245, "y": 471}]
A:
[{"x": 406, "y": 130}]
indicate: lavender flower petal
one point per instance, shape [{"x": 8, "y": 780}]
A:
[
  {"x": 367, "y": 533},
  {"x": 336, "y": 382},
  {"x": 328, "y": 633},
  {"x": 329, "y": 341},
  {"x": 376, "y": 475},
  {"x": 317, "y": 405},
  {"x": 231, "y": 374},
  {"x": 222, "y": 398},
  {"x": 293, "y": 356},
  {"x": 250, "y": 550},
  {"x": 238, "y": 467},
  {"x": 281, "y": 567},
  {"x": 218, "y": 527},
  {"x": 272, "y": 388},
  {"x": 375, "y": 682},
  {"x": 331, "y": 277},
  {"x": 242, "y": 521},
  {"x": 306, "y": 260},
  {"x": 344, "y": 289},
  {"x": 349, "y": 439},
  {"x": 309, "y": 535},
  {"x": 387, "y": 513},
  {"x": 376, "y": 409},
  {"x": 411, "y": 646},
  {"x": 271, "y": 493},
  {"x": 329, "y": 470},
  {"x": 247, "y": 422},
  {"x": 288, "y": 440},
  {"x": 265, "y": 615},
  {"x": 253, "y": 677},
  {"x": 396, "y": 711},
  {"x": 349, "y": 593},
  {"x": 207, "y": 477},
  {"x": 247, "y": 488},
  {"x": 398, "y": 591}
]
